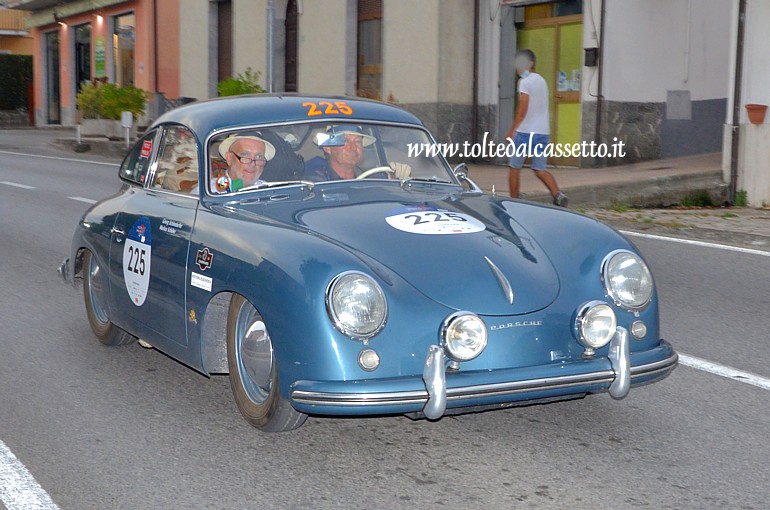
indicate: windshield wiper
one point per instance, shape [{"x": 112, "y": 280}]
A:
[
  {"x": 278, "y": 184},
  {"x": 433, "y": 179}
]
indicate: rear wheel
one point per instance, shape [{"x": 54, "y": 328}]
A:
[
  {"x": 95, "y": 294},
  {"x": 253, "y": 371}
]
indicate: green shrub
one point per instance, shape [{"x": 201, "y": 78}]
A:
[
  {"x": 741, "y": 198},
  {"x": 89, "y": 101},
  {"x": 697, "y": 199},
  {"x": 107, "y": 101},
  {"x": 245, "y": 83},
  {"x": 122, "y": 99}
]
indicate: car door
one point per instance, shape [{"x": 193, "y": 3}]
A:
[{"x": 151, "y": 237}]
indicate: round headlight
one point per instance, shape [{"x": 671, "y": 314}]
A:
[
  {"x": 595, "y": 324},
  {"x": 356, "y": 305},
  {"x": 463, "y": 336},
  {"x": 627, "y": 279}
]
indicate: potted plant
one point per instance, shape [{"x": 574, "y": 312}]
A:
[
  {"x": 245, "y": 83},
  {"x": 101, "y": 106},
  {"x": 756, "y": 113}
]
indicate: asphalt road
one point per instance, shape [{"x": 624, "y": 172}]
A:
[{"x": 126, "y": 427}]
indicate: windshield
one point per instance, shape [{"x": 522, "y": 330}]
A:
[{"x": 314, "y": 152}]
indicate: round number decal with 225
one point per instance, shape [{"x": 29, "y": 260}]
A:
[
  {"x": 136, "y": 260},
  {"x": 429, "y": 220}
]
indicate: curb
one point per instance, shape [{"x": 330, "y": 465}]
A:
[
  {"x": 653, "y": 192},
  {"x": 100, "y": 146}
]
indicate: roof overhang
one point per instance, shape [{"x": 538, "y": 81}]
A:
[{"x": 47, "y": 12}]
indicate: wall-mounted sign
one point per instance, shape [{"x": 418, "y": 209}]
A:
[{"x": 99, "y": 55}]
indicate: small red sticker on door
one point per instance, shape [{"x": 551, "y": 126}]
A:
[{"x": 146, "y": 149}]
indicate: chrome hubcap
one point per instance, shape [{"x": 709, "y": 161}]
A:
[{"x": 254, "y": 352}]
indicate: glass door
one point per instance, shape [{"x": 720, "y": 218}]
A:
[{"x": 53, "y": 85}]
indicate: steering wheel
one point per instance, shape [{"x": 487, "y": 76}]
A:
[{"x": 375, "y": 170}]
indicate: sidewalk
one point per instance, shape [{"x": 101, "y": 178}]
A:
[{"x": 658, "y": 183}]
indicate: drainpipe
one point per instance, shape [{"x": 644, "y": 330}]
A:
[
  {"x": 599, "y": 89},
  {"x": 475, "y": 87},
  {"x": 155, "y": 42},
  {"x": 270, "y": 23},
  {"x": 736, "y": 124}
]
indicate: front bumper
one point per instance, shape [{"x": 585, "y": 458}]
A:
[{"x": 439, "y": 390}]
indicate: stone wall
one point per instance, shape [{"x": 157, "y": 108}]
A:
[
  {"x": 452, "y": 123},
  {"x": 637, "y": 125}
]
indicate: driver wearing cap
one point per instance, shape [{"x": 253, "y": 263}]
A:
[
  {"x": 246, "y": 157},
  {"x": 343, "y": 147}
]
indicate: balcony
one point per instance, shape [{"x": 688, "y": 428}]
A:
[{"x": 13, "y": 22}]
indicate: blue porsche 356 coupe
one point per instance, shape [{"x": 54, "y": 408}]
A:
[{"x": 300, "y": 245}]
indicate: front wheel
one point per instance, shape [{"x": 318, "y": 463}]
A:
[
  {"x": 95, "y": 295},
  {"x": 253, "y": 371}
]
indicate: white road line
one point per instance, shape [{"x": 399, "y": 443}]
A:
[
  {"x": 18, "y": 489},
  {"x": 696, "y": 243},
  {"x": 81, "y": 199},
  {"x": 724, "y": 371},
  {"x": 16, "y": 185},
  {"x": 59, "y": 158}
]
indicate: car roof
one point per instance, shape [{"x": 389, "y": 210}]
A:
[{"x": 206, "y": 117}]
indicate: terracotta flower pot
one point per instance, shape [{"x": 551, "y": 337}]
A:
[{"x": 756, "y": 113}]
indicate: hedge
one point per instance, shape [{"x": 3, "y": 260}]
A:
[{"x": 15, "y": 77}]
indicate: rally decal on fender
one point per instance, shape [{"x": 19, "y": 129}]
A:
[
  {"x": 204, "y": 258},
  {"x": 429, "y": 220},
  {"x": 137, "y": 255}
]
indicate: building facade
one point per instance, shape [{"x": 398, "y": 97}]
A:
[
  {"x": 450, "y": 62},
  {"x": 124, "y": 42}
]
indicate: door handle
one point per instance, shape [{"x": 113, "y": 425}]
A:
[{"x": 118, "y": 233}]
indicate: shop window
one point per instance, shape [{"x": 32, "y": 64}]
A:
[
  {"x": 369, "y": 75},
  {"x": 123, "y": 42},
  {"x": 82, "y": 55}
]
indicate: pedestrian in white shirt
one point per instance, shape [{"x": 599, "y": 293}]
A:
[{"x": 531, "y": 128}]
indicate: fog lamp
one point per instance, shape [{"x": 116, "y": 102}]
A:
[
  {"x": 463, "y": 336},
  {"x": 595, "y": 324}
]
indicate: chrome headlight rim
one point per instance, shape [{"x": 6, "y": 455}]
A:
[
  {"x": 612, "y": 293},
  {"x": 447, "y": 324},
  {"x": 580, "y": 317},
  {"x": 334, "y": 317}
]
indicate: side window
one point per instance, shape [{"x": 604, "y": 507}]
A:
[
  {"x": 137, "y": 163},
  {"x": 178, "y": 161}
]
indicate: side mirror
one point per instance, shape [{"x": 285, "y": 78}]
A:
[{"x": 461, "y": 172}]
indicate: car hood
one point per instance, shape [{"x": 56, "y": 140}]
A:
[{"x": 467, "y": 254}]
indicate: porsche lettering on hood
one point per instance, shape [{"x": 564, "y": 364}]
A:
[{"x": 482, "y": 255}]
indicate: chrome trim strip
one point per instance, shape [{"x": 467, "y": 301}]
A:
[
  {"x": 505, "y": 285},
  {"x": 478, "y": 391}
]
